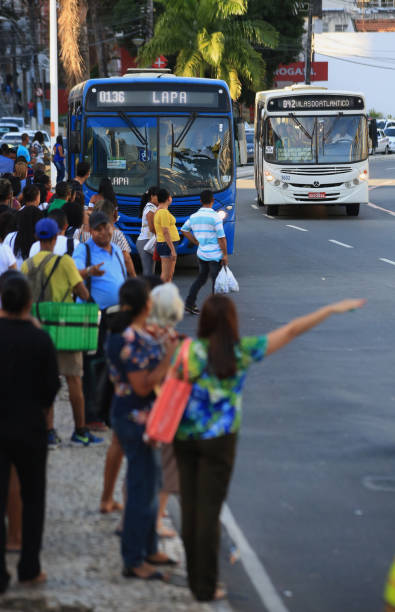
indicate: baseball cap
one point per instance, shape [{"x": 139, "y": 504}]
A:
[
  {"x": 97, "y": 218},
  {"x": 46, "y": 229}
]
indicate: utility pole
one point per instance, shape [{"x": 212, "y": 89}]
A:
[
  {"x": 309, "y": 43},
  {"x": 53, "y": 77}
]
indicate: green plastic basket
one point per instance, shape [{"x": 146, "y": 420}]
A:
[{"x": 72, "y": 327}]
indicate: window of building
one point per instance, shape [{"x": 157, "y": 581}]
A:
[{"x": 340, "y": 28}]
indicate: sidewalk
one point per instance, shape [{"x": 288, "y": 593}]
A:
[{"x": 81, "y": 552}]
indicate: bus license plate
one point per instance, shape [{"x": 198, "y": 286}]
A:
[{"x": 320, "y": 195}]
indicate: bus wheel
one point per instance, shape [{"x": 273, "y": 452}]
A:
[
  {"x": 272, "y": 210},
  {"x": 352, "y": 210}
]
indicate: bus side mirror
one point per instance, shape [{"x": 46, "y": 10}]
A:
[{"x": 75, "y": 141}]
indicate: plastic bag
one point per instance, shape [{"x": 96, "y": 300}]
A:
[
  {"x": 150, "y": 246},
  {"x": 225, "y": 281}
]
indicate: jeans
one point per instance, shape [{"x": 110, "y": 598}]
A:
[
  {"x": 29, "y": 458},
  {"x": 205, "y": 268},
  {"x": 61, "y": 171},
  {"x": 147, "y": 260},
  {"x": 205, "y": 468},
  {"x": 139, "y": 537}
]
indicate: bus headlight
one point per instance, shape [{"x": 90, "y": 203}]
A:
[
  {"x": 285, "y": 185},
  {"x": 269, "y": 176},
  {"x": 276, "y": 182},
  {"x": 356, "y": 181},
  {"x": 363, "y": 176}
]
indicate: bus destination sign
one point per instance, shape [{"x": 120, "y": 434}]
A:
[
  {"x": 315, "y": 103},
  {"x": 105, "y": 99}
]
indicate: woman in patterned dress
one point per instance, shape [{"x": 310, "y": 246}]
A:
[{"x": 206, "y": 440}]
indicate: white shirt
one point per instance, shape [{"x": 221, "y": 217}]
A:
[
  {"x": 60, "y": 246},
  {"x": 9, "y": 240},
  {"x": 7, "y": 258},
  {"x": 146, "y": 233}
]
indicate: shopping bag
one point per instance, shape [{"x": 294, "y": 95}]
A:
[
  {"x": 225, "y": 281},
  {"x": 167, "y": 411},
  {"x": 150, "y": 245}
]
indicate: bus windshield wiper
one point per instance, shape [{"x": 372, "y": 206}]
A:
[
  {"x": 301, "y": 126},
  {"x": 133, "y": 128},
  {"x": 185, "y": 129}
]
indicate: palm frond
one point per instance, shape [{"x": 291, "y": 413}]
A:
[
  {"x": 211, "y": 46},
  {"x": 230, "y": 8},
  {"x": 69, "y": 31},
  {"x": 190, "y": 65}
]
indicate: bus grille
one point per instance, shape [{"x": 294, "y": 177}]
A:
[
  {"x": 316, "y": 170},
  {"x": 321, "y": 185}
]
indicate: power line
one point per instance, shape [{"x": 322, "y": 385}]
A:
[{"x": 342, "y": 59}]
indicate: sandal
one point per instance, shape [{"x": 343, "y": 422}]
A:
[
  {"x": 166, "y": 561},
  {"x": 108, "y": 507},
  {"x": 40, "y": 579},
  {"x": 129, "y": 572}
]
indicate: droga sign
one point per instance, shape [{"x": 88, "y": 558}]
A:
[{"x": 295, "y": 72}]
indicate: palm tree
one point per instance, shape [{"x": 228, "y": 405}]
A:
[{"x": 212, "y": 38}]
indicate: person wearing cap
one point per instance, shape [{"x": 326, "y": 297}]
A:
[
  {"x": 104, "y": 289},
  {"x": 65, "y": 280}
]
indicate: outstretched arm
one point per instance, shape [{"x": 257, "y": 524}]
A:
[{"x": 285, "y": 334}]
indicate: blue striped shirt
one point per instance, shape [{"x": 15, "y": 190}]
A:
[{"x": 206, "y": 225}]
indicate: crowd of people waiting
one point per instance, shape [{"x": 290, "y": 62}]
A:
[{"x": 57, "y": 247}]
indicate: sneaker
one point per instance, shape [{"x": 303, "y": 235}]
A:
[
  {"x": 94, "y": 439},
  {"x": 53, "y": 439},
  {"x": 192, "y": 309},
  {"x": 80, "y": 439},
  {"x": 97, "y": 426}
]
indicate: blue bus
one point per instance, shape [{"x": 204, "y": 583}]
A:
[{"x": 150, "y": 127}]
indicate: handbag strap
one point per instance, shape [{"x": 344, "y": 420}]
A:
[{"x": 183, "y": 356}]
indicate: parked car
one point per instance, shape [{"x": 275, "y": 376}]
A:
[
  {"x": 250, "y": 146},
  {"x": 9, "y": 127},
  {"x": 19, "y": 121},
  {"x": 390, "y": 132},
  {"x": 13, "y": 139},
  {"x": 383, "y": 143}
]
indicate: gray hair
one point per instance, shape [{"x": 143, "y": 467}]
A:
[{"x": 167, "y": 306}]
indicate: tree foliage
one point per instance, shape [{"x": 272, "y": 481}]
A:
[{"x": 213, "y": 38}]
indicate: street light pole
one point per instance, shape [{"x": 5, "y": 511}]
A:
[
  {"x": 53, "y": 78},
  {"x": 308, "y": 43}
]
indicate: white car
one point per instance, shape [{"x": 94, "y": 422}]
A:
[
  {"x": 19, "y": 121},
  {"x": 383, "y": 143},
  {"x": 390, "y": 132},
  {"x": 12, "y": 139}
]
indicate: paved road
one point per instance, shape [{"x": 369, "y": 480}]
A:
[{"x": 314, "y": 486}]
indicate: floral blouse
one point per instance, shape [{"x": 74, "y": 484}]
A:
[
  {"x": 129, "y": 352},
  {"x": 214, "y": 406}
]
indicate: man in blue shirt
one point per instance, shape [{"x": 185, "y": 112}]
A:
[
  {"x": 205, "y": 229},
  {"x": 22, "y": 150},
  {"x": 6, "y": 163},
  {"x": 101, "y": 265}
]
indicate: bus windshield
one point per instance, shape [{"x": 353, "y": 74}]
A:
[
  {"x": 320, "y": 139},
  {"x": 184, "y": 154}
]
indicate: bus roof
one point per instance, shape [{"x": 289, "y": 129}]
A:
[{"x": 78, "y": 91}]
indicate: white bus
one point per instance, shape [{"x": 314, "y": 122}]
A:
[{"x": 311, "y": 146}]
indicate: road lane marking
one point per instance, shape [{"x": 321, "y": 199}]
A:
[
  {"x": 346, "y": 246},
  {"x": 389, "y": 212},
  {"x": 387, "y": 260},
  {"x": 252, "y": 565},
  {"x": 255, "y": 206},
  {"x": 268, "y": 216},
  {"x": 301, "y": 229},
  {"x": 382, "y": 182}
]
